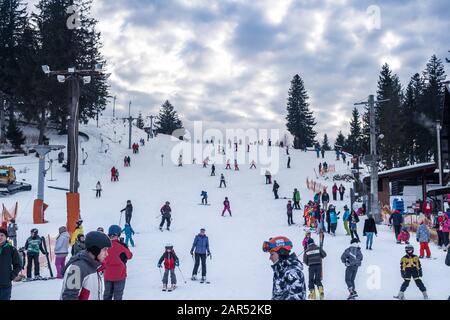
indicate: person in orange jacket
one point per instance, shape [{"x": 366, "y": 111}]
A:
[{"x": 114, "y": 265}]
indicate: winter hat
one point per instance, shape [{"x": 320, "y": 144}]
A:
[
  {"x": 310, "y": 241},
  {"x": 95, "y": 241},
  {"x": 169, "y": 246},
  {"x": 114, "y": 230},
  {"x": 62, "y": 229},
  {"x": 4, "y": 231}
]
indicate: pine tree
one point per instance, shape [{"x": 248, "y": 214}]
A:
[
  {"x": 325, "y": 143},
  {"x": 14, "y": 134},
  {"x": 300, "y": 120},
  {"x": 140, "y": 121},
  {"x": 167, "y": 121},
  {"x": 353, "y": 144},
  {"x": 340, "y": 141}
]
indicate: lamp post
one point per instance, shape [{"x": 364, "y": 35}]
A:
[{"x": 74, "y": 77}]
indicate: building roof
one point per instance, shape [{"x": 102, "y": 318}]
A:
[{"x": 407, "y": 171}]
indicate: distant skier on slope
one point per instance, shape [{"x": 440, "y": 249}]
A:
[
  {"x": 128, "y": 212},
  {"x": 170, "y": 262},
  {"x": 226, "y": 206},
  {"x": 204, "y": 196},
  {"x": 165, "y": 215}
]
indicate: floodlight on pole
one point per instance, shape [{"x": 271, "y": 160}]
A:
[
  {"x": 61, "y": 78},
  {"x": 87, "y": 79},
  {"x": 46, "y": 69},
  {"x": 99, "y": 67},
  {"x": 71, "y": 70}
]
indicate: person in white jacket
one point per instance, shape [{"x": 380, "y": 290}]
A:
[{"x": 61, "y": 250}]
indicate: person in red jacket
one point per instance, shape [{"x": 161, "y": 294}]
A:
[
  {"x": 170, "y": 262},
  {"x": 226, "y": 206},
  {"x": 427, "y": 208},
  {"x": 334, "y": 191},
  {"x": 114, "y": 265},
  {"x": 113, "y": 174}
]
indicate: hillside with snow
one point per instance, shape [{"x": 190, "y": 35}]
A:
[{"x": 238, "y": 268}]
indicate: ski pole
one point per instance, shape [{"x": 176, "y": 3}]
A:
[
  {"x": 182, "y": 274},
  {"x": 160, "y": 273},
  {"x": 120, "y": 220}
]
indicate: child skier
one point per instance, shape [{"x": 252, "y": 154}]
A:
[
  {"x": 306, "y": 239},
  {"x": 129, "y": 232},
  {"x": 423, "y": 237},
  {"x": 33, "y": 246},
  {"x": 253, "y": 165},
  {"x": 236, "y": 167},
  {"x": 98, "y": 190},
  {"x": 313, "y": 259},
  {"x": 12, "y": 232},
  {"x": 289, "y": 209},
  {"x": 228, "y": 167},
  {"x": 204, "y": 196},
  {"x": 78, "y": 230},
  {"x": 170, "y": 262},
  {"x": 222, "y": 181},
  {"x": 403, "y": 236},
  {"x": 226, "y": 207},
  {"x": 352, "y": 258},
  {"x": 79, "y": 245},
  {"x": 410, "y": 267}
]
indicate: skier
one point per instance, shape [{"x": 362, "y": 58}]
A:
[
  {"x": 288, "y": 278},
  {"x": 117, "y": 175},
  {"x": 268, "y": 177},
  {"x": 313, "y": 259},
  {"x": 423, "y": 237},
  {"x": 270, "y": 142},
  {"x": 287, "y": 150},
  {"x": 226, "y": 206},
  {"x": 352, "y": 258},
  {"x": 213, "y": 170},
  {"x": 61, "y": 250},
  {"x": 205, "y": 163},
  {"x": 353, "y": 220},
  {"x": 180, "y": 160},
  {"x": 341, "y": 191},
  {"x": 289, "y": 162},
  {"x": 228, "y": 167},
  {"x": 343, "y": 156},
  {"x": 204, "y": 196},
  {"x": 333, "y": 220},
  {"x": 446, "y": 229},
  {"x": 78, "y": 230},
  {"x": 306, "y": 240},
  {"x": 86, "y": 267},
  {"x": 345, "y": 218},
  {"x": 320, "y": 216},
  {"x": 325, "y": 199},
  {"x": 125, "y": 161},
  {"x": 114, "y": 265},
  {"x": 320, "y": 168},
  {"x": 98, "y": 190},
  {"x": 113, "y": 174},
  {"x": 12, "y": 232},
  {"x": 289, "y": 209},
  {"x": 222, "y": 181},
  {"x": 129, "y": 161},
  {"x": 33, "y": 246},
  {"x": 10, "y": 266},
  {"x": 275, "y": 188},
  {"x": 170, "y": 262},
  {"x": 328, "y": 218},
  {"x": 253, "y": 165},
  {"x": 403, "y": 236},
  {"x": 317, "y": 197},
  {"x": 296, "y": 198},
  {"x": 129, "y": 232},
  {"x": 410, "y": 267},
  {"x": 370, "y": 228},
  {"x": 325, "y": 167},
  {"x": 396, "y": 219},
  {"x": 201, "y": 248},
  {"x": 334, "y": 191},
  {"x": 166, "y": 215},
  {"x": 79, "y": 245},
  {"x": 322, "y": 151},
  {"x": 317, "y": 150},
  {"x": 128, "y": 212},
  {"x": 236, "y": 167}
]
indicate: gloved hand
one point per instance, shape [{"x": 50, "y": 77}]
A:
[
  {"x": 159, "y": 265},
  {"x": 177, "y": 264},
  {"x": 192, "y": 253},
  {"x": 417, "y": 239}
]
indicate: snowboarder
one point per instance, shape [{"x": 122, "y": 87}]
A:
[
  {"x": 341, "y": 191},
  {"x": 353, "y": 220},
  {"x": 352, "y": 258},
  {"x": 79, "y": 245},
  {"x": 289, "y": 209},
  {"x": 289, "y": 162},
  {"x": 410, "y": 267},
  {"x": 396, "y": 219},
  {"x": 33, "y": 246},
  {"x": 61, "y": 250},
  {"x": 313, "y": 259},
  {"x": 222, "y": 181},
  {"x": 113, "y": 174},
  {"x": 370, "y": 228},
  {"x": 268, "y": 177},
  {"x": 201, "y": 249},
  {"x": 334, "y": 190},
  {"x": 165, "y": 215},
  {"x": 325, "y": 199},
  {"x": 170, "y": 262},
  {"x": 403, "y": 236},
  {"x": 226, "y": 206},
  {"x": 423, "y": 237},
  {"x": 275, "y": 188},
  {"x": 296, "y": 198},
  {"x": 87, "y": 266},
  {"x": 114, "y": 265},
  {"x": 78, "y": 230},
  {"x": 346, "y": 218},
  {"x": 98, "y": 190},
  {"x": 213, "y": 170},
  {"x": 128, "y": 212},
  {"x": 10, "y": 266},
  {"x": 12, "y": 232},
  {"x": 288, "y": 278},
  {"x": 253, "y": 165},
  {"x": 129, "y": 233},
  {"x": 204, "y": 196}
]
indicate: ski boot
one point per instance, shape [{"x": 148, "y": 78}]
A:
[
  {"x": 168, "y": 229},
  {"x": 169, "y": 288},
  {"x": 425, "y": 295},
  {"x": 321, "y": 293},
  {"x": 203, "y": 280},
  {"x": 37, "y": 278},
  {"x": 160, "y": 228},
  {"x": 312, "y": 294},
  {"x": 194, "y": 277},
  {"x": 400, "y": 296},
  {"x": 164, "y": 287}
]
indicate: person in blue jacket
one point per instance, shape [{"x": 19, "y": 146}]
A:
[
  {"x": 204, "y": 196},
  {"x": 345, "y": 218},
  {"x": 201, "y": 249},
  {"x": 333, "y": 220},
  {"x": 129, "y": 232}
]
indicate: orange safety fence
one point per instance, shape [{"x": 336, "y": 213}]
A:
[{"x": 314, "y": 186}]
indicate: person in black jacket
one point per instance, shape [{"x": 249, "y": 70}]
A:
[
  {"x": 396, "y": 220},
  {"x": 325, "y": 199},
  {"x": 275, "y": 188},
  {"x": 370, "y": 228},
  {"x": 10, "y": 265},
  {"x": 128, "y": 212},
  {"x": 313, "y": 259}
]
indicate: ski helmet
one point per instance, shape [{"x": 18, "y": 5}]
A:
[
  {"x": 281, "y": 245},
  {"x": 114, "y": 230},
  {"x": 409, "y": 249},
  {"x": 34, "y": 231},
  {"x": 79, "y": 222},
  {"x": 95, "y": 241},
  {"x": 169, "y": 246}
]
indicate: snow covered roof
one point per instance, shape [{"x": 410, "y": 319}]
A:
[{"x": 408, "y": 169}]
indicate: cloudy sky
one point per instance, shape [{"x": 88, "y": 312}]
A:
[{"x": 230, "y": 63}]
